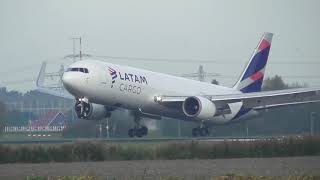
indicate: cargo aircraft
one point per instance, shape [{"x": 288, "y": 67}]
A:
[{"x": 100, "y": 87}]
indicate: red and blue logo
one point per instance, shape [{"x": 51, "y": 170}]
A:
[
  {"x": 252, "y": 78},
  {"x": 126, "y": 77},
  {"x": 113, "y": 74}
]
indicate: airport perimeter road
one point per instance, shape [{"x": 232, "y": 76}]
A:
[{"x": 164, "y": 168}]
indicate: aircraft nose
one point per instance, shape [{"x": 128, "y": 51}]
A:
[{"x": 69, "y": 81}]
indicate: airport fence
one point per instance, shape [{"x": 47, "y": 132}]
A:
[{"x": 100, "y": 151}]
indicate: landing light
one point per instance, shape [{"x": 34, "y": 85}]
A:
[
  {"x": 157, "y": 98},
  {"x": 83, "y": 99}
]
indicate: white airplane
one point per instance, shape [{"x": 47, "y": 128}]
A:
[{"x": 100, "y": 87}]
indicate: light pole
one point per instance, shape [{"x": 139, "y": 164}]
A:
[
  {"x": 100, "y": 130},
  {"x": 179, "y": 128},
  {"x": 312, "y": 118},
  {"x": 107, "y": 127}
]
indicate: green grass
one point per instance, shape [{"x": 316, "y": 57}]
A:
[
  {"x": 101, "y": 151},
  {"x": 226, "y": 177}
]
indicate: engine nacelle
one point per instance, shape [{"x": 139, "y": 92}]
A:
[
  {"x": 90, "y": 111},
  {"x": 199, "y": 107}
]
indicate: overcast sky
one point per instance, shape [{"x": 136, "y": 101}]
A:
[{"x": 224, "y": 32}]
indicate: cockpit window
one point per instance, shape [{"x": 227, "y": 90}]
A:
[{"x": 83, "y": 70}]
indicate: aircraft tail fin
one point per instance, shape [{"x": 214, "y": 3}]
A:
[{"x": 252, "y": 77}]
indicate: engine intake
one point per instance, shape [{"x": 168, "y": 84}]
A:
[
  {"x": 90, "y": 111},
  {"x": 199, "y": 107}
]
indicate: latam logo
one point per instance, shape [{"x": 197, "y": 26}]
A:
[
  {"x": 126, "y": 77},
  {"x": 113, "y": 74}
]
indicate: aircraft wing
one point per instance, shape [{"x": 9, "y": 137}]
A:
[{"x": 258, "y": 100}]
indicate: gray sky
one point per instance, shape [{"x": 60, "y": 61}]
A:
[{"x": 224, "y": 31}]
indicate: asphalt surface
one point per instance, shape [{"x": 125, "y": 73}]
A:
[
  {"x": 153, "y": 169},
  {"x": 128, "y": 140}
]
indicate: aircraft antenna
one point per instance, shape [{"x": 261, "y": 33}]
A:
[
  {"x": 74, "y": 49},
  {"x": 80, "y": 48}
]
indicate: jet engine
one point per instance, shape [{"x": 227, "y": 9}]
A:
[
  {"x": 199, "y": 107},
  {"x": 90, "y": 111}
]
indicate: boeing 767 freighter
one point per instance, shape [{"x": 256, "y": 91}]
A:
[{"x": 100, "y": 87}]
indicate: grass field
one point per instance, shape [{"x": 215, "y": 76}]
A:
[
  {"x": 104, "y": 151},
  {"x": 226, "y": 177}
]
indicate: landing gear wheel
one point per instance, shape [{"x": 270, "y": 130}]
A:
[
  {"x": 139, "y": 132},
  {"x": 83, "y": 108},
  {"x": 195, "y": 132},
  {"x": 131, "y": 132},
  {"x": 144, "y": 130},
  {"x": 204, "y": 131}
]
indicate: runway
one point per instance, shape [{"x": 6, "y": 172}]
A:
[
  {"x": 153, "y": 169},
  {"x": 130, "y": 140}
]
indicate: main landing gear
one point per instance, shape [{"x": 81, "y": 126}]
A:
[
  {"x": 202, "y": 130},
  {"x": 139, "y": 130}
]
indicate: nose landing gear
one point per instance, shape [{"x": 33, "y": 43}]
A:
[{"x": 82, "y": 108}]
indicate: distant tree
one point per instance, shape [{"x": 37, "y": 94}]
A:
[
  {"x": 168, "y": 127},
  {"x": 274, "y": 83},
  {"x": 298, "y": 85},
  {"x": 3, "y": 112},
  {"x": 81, "y": 129},
  {"x": 214, "y": 81},
  {"x": 120, "y": 122}
]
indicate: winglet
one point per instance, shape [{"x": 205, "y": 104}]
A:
[{"x": 252, "y": 77}]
